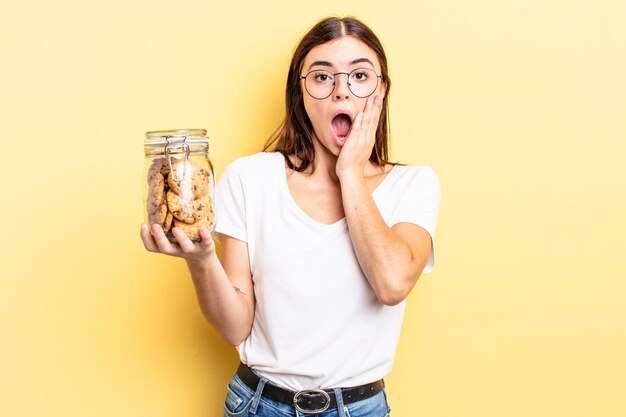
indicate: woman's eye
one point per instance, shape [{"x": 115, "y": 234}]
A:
[
  {"x": 360, "y": 75},
  {"x": 322, "y": 77}
]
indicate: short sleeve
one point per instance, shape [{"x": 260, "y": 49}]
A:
[
  {"x": 418, "y": 203},
  {"x": 230, "y": 204}
]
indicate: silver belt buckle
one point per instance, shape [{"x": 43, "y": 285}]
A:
[{"x": 310, "y": 392}]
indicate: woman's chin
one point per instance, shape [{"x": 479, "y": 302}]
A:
[{"x": 332, "y": 145}]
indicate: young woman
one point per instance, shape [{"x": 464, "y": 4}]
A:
[{"x": 321, "y": 240}]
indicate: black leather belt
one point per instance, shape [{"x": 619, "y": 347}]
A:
[{"x": 309, "y": 401}]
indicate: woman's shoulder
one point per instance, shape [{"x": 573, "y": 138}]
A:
[
  {"x": 256, "y": 161},
  {"x": 415, "y": 179},
  {"x": 409, "y": 185},
  {"x": 414, "y": 173}
]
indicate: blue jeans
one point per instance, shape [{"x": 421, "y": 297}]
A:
[{"x": 241, "y": 401}]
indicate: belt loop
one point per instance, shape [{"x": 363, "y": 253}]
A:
[
  {"x": 257, "y": 395},
  {"x": 340, "y": 407}
]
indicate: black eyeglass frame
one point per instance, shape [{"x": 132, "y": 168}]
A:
[{"x": 335, "y": 82}]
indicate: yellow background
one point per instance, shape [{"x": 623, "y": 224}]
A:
[{"x": 518, "y": 105}]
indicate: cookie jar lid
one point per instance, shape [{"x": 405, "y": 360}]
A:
[{"x": 195, "y": 140}]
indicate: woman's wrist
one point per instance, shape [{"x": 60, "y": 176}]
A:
[
  {"x": 202, "y": 263},
  {"x": 351, "y": 177}
]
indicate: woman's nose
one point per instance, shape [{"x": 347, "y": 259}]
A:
[{"x": 342, "y": 86}]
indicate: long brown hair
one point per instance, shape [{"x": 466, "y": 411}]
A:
[{"x": 295, "y": 134}]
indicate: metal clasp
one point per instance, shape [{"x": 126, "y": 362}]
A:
[
  {"x": 326, "y": 400},
  {"x": 169, "y": 146}
]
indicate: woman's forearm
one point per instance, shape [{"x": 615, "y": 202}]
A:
[
  {"x": 224, "y": 307},
  {"x": 385, "y": 258}
]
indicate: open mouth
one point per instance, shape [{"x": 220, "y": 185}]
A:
[{"x": 341, "y": 125}]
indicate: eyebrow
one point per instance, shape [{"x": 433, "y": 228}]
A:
[
  {"x": 329, "y": 64},
  {"x": 358, "y": 61}
]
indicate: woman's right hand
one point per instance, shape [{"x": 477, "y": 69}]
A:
[
  {"x": 195, "y": 252},
  {"x": 224, "y": 288}
]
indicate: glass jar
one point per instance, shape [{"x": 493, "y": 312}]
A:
[{"x": 179, "y": 184}]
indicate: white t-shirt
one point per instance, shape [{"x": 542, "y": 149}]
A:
[{"x": 317, "y": 322}]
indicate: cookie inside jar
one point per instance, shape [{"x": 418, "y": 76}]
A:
[{"x": 180, "y": 184}]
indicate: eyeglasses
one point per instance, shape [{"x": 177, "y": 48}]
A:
[{"x": 320, "y": 84}]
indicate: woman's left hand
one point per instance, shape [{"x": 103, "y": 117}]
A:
[{"x": 357, "y": 149}]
